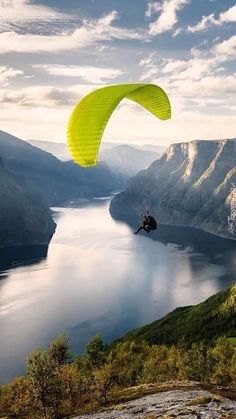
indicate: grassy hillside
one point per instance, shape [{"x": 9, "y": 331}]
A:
[{"x": 207, "y": 321}]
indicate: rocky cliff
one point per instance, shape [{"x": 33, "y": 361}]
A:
[
  {"x": 24, "y": 219},
  {"x": 190, "y": 185}
]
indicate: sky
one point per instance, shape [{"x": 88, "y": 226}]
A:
[{"x": 54, "y": 52}]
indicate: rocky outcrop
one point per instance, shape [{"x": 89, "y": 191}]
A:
[
  {"x": 24, "y": 218},
  {"x": 194, "y": 404},
  {"x": 190, "y": 185}
]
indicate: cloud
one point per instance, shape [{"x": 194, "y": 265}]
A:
[
  {"x": 25, "y": 10},
  {"x": 226, "y": 49},
  {"x": 200, "y": 88},
  {"x": 87, "y": 73},
  {"x": 152, "y": 7},
  {"x": 168, "y": 15},
  {"x": 200, "y": 64},
  {"x": 7, "y": 73},
  {"x": 210, "y": 20},
  {"x": 88, "y": 34},
  {"x": 45, "y": 96}
]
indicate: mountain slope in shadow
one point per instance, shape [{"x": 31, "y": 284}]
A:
[{"x": 190, "y": 185}]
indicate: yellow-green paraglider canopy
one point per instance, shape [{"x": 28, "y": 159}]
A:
[{"x": 90, "y": 116}]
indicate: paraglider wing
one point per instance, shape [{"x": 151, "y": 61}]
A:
[{"x": 90, "y": 116}]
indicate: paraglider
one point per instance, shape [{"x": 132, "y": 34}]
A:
[
  {"x": 91, "y": 115},
  {"x": 148, "y": 223}
]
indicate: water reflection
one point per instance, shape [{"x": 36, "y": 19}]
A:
[{"x": 99, "y": 277}]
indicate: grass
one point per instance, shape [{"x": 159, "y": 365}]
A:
[
  {"x": 232, "y": 340},
  {"x": 205, "y": 400}
]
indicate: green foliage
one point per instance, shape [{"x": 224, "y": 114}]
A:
[
  {"x": 127, "y": 360},
  {"x": 16, "y": 398},
  {"x": 103, "y": 381},
  {"x": 59, "y": 350},
  {"x": 204, "y": 322},
  {"x": 232, "y": 340},
  {"x": 222, "y": 355},
  {"x": 95, "y": 351},
  {"x": 42, "y": 371}
]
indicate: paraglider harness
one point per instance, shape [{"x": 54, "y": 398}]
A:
[{"x": 148, "y": 223}]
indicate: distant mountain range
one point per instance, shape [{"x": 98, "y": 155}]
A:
[
  {"x": 204, "y": 322},
  {"x": 122, "y": 160},
  {"x": 190, "y": 185},
  {"x": 61, "y": 151}
]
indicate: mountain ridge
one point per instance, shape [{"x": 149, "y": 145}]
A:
[
  {"x": 207, "y": 321},
  {"x": 190, "y": 185}
]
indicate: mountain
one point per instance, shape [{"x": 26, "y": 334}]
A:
[
  {"x": 206, "y": 321},
  {"x": 24, "y": 219},
  {"x": 61, "y": 151},
  {"x": 53, "y": 180},
  {"x": 58, "y": 150},
  {"x": 190, "y": 185},
  {"x": 123, "y": 161},
  {"x": 160, "y": 149}
]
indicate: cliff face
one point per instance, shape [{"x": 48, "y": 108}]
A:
[
  {"x": 24, "y": 219},
  {"x": 189, "y": 186}
]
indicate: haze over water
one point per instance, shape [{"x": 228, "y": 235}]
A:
[{"x": 99, "y": 277}]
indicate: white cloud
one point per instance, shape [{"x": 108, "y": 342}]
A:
[
  {"x": 152, "y": 7},
  {"x": 210, "y": 20},
  {"x": 146, "y": 61},
  {"x": 25, "y": 10},
  {"x": 45, "y": 96},
  {"x": 177, "y": 32},
  {"x": 226, "y": 49},
  {"x": 7, "y": 73},
  {"x": 89, "y": 33},
  {"x": 168, "y": 16},
  {"x": 87, "y": 73},
  {"x": 201, "y": 91},
  {"x": 200, "y": 65}
]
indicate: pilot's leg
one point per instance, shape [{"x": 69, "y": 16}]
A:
[{"x": 140, "y": 228}]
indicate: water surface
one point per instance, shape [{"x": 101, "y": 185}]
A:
[{"x": 99, "y": 277}]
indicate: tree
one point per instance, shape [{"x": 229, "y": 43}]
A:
[
  {"x": 43, "y": 375},
  {"x": 103, "y": 381},
  {"x": 17, "y": 398},
  {"x": 59, "y": 350},
  {"x": 222, "y": 355},
  {"x": 156, "y": 365},
  {"x": 199, "y": 363},
  {"x": 127, "y": 360},
  {"x": 95, "y": 351},
  {"x": 71, "y": 382}
]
